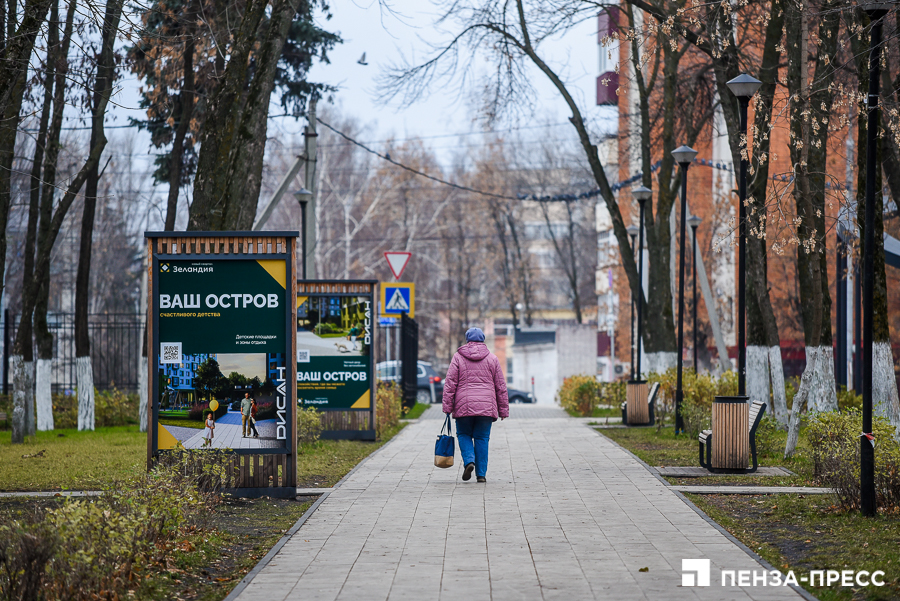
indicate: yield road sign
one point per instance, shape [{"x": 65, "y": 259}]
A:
[
  {"x": 398, "y": 298},
  {"x": 397, "y": 261}
]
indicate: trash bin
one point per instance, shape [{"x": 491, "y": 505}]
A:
[
  {"x": 637, "y": 410},
  {"x": 731, "y": 433}
]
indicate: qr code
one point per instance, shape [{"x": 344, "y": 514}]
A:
[
  {"x": 170, "y": 352},
  {"x": 303, "y": 356}
]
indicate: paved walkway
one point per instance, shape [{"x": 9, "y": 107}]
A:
[{"x": 565, "y": 514}]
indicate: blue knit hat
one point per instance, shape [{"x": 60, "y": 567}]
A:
[{"x": 474, "y": 335}]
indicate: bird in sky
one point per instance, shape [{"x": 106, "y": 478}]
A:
[{"x": 362, "y": 60}]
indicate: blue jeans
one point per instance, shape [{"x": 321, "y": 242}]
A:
[{"x": 474, "y": 434}]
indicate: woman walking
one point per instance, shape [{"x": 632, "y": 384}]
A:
[{"x": 475, "y": 394}]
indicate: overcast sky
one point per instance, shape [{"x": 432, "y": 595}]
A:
[{"x": 445, "y": 115}]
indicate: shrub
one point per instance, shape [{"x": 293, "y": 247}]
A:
[
  {"x": 699, "y": 391},
  {"x": 389, "y": 407},
  {"x": 111, "y": 408},
  {"x": 309, "y": 425},
  {"x": 580, "y": 394},
  {"x": 613, "y": 393},
  {"x": 99, "y": 548},
  {"x": 266, "y": 411},
  {"x": 848, "y": 399},
  {"x": 835, "y": 439},
  {"x": 769, "y": 442},
  {"x": 198, "y": 411}
]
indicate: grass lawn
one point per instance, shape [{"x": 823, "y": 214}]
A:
[
  {"x": 602, "y": 411},
  {"x": 416, "y": 411},
  {"x": 323, "y": 463},
  {"x": 183, "y": 423},
  {"x": 803, "y": 533},
  {"x": 666, "y": 449},
  {"x": 72, "y": 459}
]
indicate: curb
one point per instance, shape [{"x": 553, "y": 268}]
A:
[
  {"x": 796, "y": 587},
  {"x": 246, "y": 580}
]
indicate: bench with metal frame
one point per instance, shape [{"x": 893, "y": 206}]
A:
[
  {"x": 757, "y": 409},
  {"x": 651, "y": 404}
]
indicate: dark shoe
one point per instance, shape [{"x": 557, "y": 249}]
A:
[
  {"x": 481, "y": 479},
  {"x": 467, "y": 473}
]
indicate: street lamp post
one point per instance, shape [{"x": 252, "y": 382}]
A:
[
  {"x": 744, "y": 87},
  {"x": 876, "y": 12},
  {"x": 633, "y": 232},
  {"x": 684, "y": 156},
  {"x": 694, "y": 222},
  {"x": 643, "y": 194},
  {"x": 303, "y": 197}
]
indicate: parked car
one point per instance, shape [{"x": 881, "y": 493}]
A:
[
  {"x": 389, "y": 371},
  {"x": 519, "y": 396}
]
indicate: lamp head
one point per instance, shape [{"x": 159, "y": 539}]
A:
[
  {"x": 744, "y": 86},
  {"x": 642, "y": 193},
  {"x": 694, "y": 221},
  {"x": 633, "y": 231},
  {"x": 303, "y": 195},
  {"x": 684, "y": 155}
]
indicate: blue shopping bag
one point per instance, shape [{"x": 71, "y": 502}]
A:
[{"x": 445, "y": 447}]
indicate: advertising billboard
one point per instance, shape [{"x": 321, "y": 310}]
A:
[
  {"x": 334, "y": 350},
  {"x": 222, "y": 328}
]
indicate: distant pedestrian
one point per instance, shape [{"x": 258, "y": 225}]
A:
[
  {"x": 246, "y": 407},
  {"x": 475, "y": 394},
  {"x": 210, "y": 429},
  {"x": 253, "y": 410}
]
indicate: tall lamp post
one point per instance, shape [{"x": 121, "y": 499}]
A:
[
  {"x": 876, "y": 12},
  {"x": 744, "y": 87},
  {"x": 694, "y": 223},
  {"x": 303, "y": 197},
  {"x": 633, "y": 232},
  {"x": 643, "y": 194},
  {"x": 684, "y": 156}
]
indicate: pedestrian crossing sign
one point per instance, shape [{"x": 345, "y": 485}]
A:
[{"x": 398, "y": 298}]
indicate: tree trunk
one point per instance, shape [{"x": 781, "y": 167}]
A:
[
  {"x": 49, "y": 228},
  {"x": 762, "y": 327},
  {"x": 229, "y": 170},
  {"x": 14, "y": 62},
  {"x": 103, "y": 88},
  {"x": 186, "y": 110},
  {"x": 800, "y": 402},
  {"x": 808, "y": 148}
]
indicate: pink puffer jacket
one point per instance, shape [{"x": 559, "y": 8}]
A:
[{"x": 475, "y": 384}]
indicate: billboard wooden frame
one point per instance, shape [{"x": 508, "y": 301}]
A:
[
  {"x": 253, "y": 472},
  {"x": 345, "y": 424}
]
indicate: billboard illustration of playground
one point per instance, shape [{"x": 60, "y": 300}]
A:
[
  {"x": 222, "y": 356},
  {"x": 334, "y": 363}
]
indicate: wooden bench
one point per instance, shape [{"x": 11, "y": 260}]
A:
[
  {"x": 651, "y": 403},
  {"x": 757, "y": 409}
]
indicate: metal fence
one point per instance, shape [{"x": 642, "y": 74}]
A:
[{"x": 116, "y": 340}]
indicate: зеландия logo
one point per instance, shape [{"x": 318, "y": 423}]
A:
[{"x": 696, "y": 572}]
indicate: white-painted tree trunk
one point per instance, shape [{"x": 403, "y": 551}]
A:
[
  {"x": 776, "y": 377},
  {"x": 822, "y": 392},
  {"x": 658, "y": 363},
  {"x": 84, "y": 372},
  {"x": 885, "y": 399},
  {"x": 20, "y": 385},
  {"x": 758, "y": 373},
  {"x": 800, "y": 399},
  {"x": 142, "y": 393},
  {"x": 43, "y": 397},
  {"x": 29, "y": 398}
]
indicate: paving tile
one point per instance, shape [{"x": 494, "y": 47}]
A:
[{"x": 566, "y": 515}]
